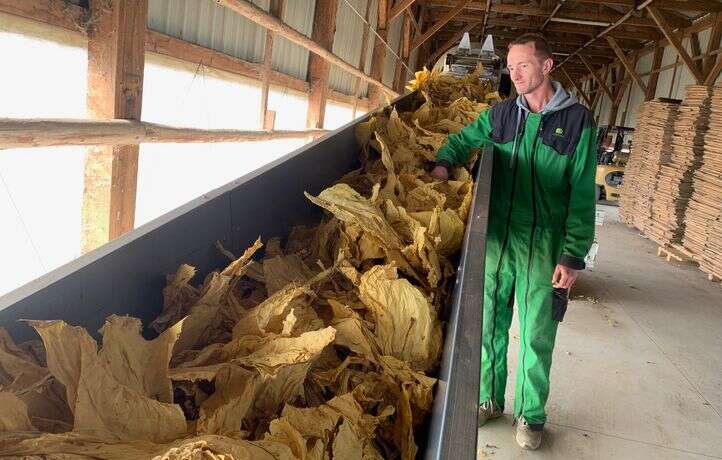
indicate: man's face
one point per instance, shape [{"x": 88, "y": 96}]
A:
[{"x": 526, "y": 69}]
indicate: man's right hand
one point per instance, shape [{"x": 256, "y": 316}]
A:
[{"x": 440, "y": 172}]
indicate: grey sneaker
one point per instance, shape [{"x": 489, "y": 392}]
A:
[
  {"x": 487, "y": 411},
  {"x": 527, "y": 436}
]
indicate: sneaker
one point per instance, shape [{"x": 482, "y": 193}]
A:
[
  {"x": 528, "y": 436},
  {"x": 487, "y": 411}
]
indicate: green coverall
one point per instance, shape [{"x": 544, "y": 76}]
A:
[{"x": 541, "y": 214}]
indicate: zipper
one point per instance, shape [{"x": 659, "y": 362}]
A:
[
  {"x": 520, "y": 132},
  {"x": 530, "y": 257}
]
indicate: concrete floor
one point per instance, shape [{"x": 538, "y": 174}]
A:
[{"x": 637, "y": 371}]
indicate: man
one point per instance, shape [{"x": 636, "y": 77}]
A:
[{"x": 541, "y": 226}]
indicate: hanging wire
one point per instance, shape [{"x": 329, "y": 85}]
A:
[
  {"x": 22, "y": 222},
  {"x": 361, "y": 16}
]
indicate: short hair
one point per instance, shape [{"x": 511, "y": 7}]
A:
[{"x": 541, "y": 46}]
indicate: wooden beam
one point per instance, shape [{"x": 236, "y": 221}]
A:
[
  {"x": 378, "y": 55},
  {"x": 405, "y": 46},
  {"x": 53, "y": 12},
  {"x": 399, "y": 8},
  {"x": 324, "y": 28},
  {"x": 276, "y": 9},
  {"x": 713, "y": 44},
  {"x": 362, "y": 59},
  {"x": 666, "y": 29},
  {"x": 654, "y": 76},
  {"x": 22, "y": 133},
  {"x": 601, "y": 84},
  {"x": 451, "y": 42},
  {"x": 606, "y": 16},
  {"x": 116, "y": 58},
  {"x": 460, "y": 5},
  {"x": 579, "y": 89},
  {"x": 623, "y": 59},
  {"x": 714, "y": 73},
  {"x": 260, "y": 17}
]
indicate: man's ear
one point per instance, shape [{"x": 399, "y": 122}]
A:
[{"x": 547, "y": 66}]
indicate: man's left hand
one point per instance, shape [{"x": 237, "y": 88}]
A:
[{"x": 564, "y": 277}]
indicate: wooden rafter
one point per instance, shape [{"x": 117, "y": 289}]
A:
[
  {"x": 654, "y": 75},
  {"x": 576, "y": 85},
  {"x": 116, "y": 58},
  {"x": 596, "y": 78},
  {"x": 675, "y": 41},
  {"x": 460, "y": 5},
  {"x": 627, "y": 65},
  {"x": 713, "y": 44},
  {"x": 399, "y": 8},
  {"x": 324, "y": 27}
]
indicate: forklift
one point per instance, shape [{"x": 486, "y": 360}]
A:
[{"x": 613, "y": 146}]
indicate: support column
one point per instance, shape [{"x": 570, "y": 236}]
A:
[
  {"x": 116, "y": 57},
  {"x": 318, "y": 68},
  {"x": 379, "y": 55}
]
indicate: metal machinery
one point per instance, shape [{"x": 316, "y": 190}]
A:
[
  {"x": 127, "y": 275},
  {"x": 613, "y": 147},
  {"x": 466, "y": 60}
]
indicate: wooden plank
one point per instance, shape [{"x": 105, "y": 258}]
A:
[
  {"x": 25, "y": 133},
  {"x": 399, "y": 8},
  {"x": 405, "y": 47},
  {"x": 318, "y": 68},
  {"x": 595, "y": 76},
  {"x": 623, "y": 59},
  {"x": 696, "y": 51},
  {"x": 276, "y": 9},
  {"x": 378, "y": 55},
  {"x": 675, "y": 41},
  {"x": 460, "y": 5},
  {"x": 714, "y": 73},
  {"x": 262, "y": 18},
  {"x": 53, "y": 12},
  {"x": 116, "y": 57},
  {"x": 361, "y": 59},
  {"x": 713, "y": 44},
  {"x": 576, "y": 85},
  {"x": 654, "y": 75}
]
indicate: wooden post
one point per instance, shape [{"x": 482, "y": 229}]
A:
[
  {"x": 276, "y": 9},
  {"x": 324, "y": 27},
  {"x": 576, "y": 85},
  {"x": 713, "y": 44},
  {"x": 594, "y": 75},
  {"x": 361, "y": 59},
  {"x": 654, "y": 75},
  {"x": 116, "y": 57},
  {"x": 627, "y": 65},
  {"x": 378, "y": 56},
  {"x": 675, "y": 42},
  {"x": 400, "y": 71}
]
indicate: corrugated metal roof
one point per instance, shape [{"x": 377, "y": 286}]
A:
[
  {"x": 205, "y": 23},
  {"x": 347, "y": 43},
  {"x": 288, "y": 57}
]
